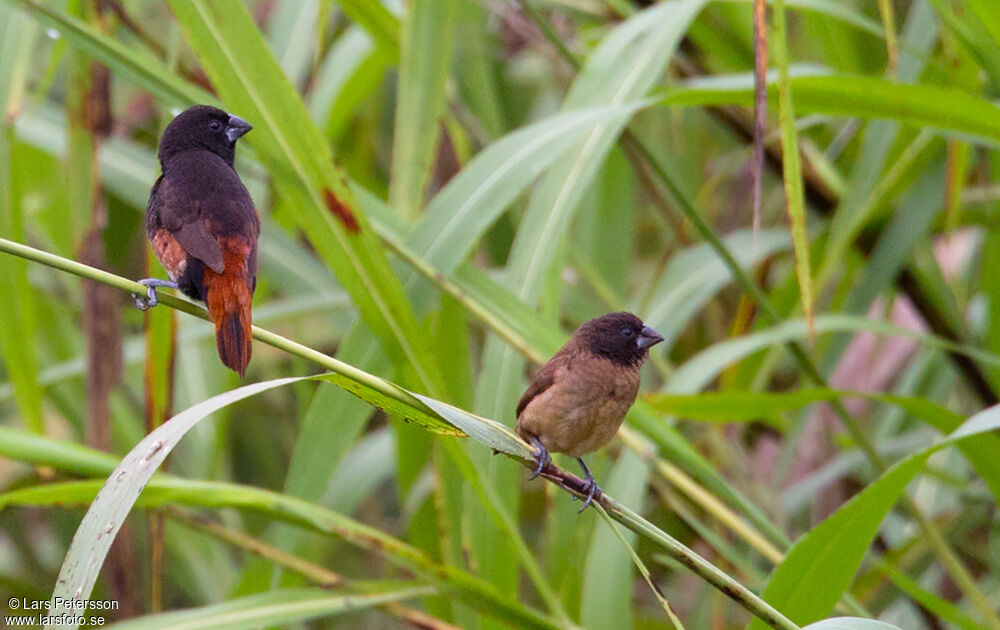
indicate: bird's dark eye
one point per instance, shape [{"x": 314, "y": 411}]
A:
[
  {"x": 627, "y": 332},
  {"x": 215, "y": 125}
]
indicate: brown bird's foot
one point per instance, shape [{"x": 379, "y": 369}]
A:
[
  {"x": 150, "y": 300},
  {"x": 542, "y": 457},
  {"x": 589, "y": 486}
]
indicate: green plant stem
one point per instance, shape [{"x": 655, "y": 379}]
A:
[
  {"x": 635, "y": 148},
  {"x": 698, "y": 565},
  {"x": 315, "y": 573},
  {"x": 637, "y": 561},
  {"x": 707, "y": 571},
  {"x": 700, "y": 496}
]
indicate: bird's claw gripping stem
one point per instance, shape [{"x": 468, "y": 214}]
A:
[
  {"x": 589, "y": 486},
  {"x": 542, "y": 457},
  {"x": 150, "y": 300}
]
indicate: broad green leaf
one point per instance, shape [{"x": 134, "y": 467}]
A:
[
  {"x": 477, "y": 69},
  {"x": 821, "y": 564},
  {"x": 286, "y": 606},
  {"x": 944, "y": 108},
  {"x": 332, "y": 424},
  {"x": 489, "y": 432},
  {"x": 425, "y": 60},
  {"x": 462, "y": 211}
]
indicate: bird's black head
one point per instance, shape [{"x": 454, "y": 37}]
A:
[
  {"x": 621, "y": 337},
  {"x": 203, "y": 127}
]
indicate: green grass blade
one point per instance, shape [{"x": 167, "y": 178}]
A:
[
  {"x": 641, "y": 566},
  {"x": 988, "y": 14},
  {"x": 17, "y": 299},
  {"x": 292, "y": 36},
  {"x": 695, "y": 274},
  {"x": 286, "y": 606},
  {"x": 741, "y": 406},
  {"x": 701, "y": 369},
  {"x": 606, "y": 602},
  {"x": 425, "y": 62},
  {"x": 622, "y": 69},
  {"x": 792, "y": 171},
  {"x": 134, "y": 65},
  {"x": 375, "y": 18},
  {"x": 944, "y": 108},
  {"x": 352, "y": 69},
  {"x": 460, "y": 213},
  {"x": 107, "y": 513}
]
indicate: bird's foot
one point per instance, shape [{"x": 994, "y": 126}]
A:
[
  {"x": 590, "y": 487},
  {"x": 542, "y": 458},
  {"x": 593, "y": 491},
  {"x": 144, "y": 303}
]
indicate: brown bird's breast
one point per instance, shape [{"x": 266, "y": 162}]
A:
[{"x": 583, "y": 408}]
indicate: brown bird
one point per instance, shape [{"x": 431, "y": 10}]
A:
[
  {"x": 204, "y": 227},
  {"x": 577, "y": 401}
]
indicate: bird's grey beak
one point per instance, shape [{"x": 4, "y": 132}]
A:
[
  {"x": 648, "y": 337},
  {"x": 237, "y": 128}
]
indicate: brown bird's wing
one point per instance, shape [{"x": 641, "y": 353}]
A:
[
  {"x": 182, "y": 217},
  {"x": 543, "y": 380}
]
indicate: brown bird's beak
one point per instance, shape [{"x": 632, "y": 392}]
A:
[
  {"x": 648, "y": 337},
  {"x": 237, "y": 128}
]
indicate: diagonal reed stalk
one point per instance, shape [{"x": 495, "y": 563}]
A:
[{"x": 568, "y": 482}]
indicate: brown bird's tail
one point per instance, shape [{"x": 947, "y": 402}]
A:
[{"x": 228, "y": 298}]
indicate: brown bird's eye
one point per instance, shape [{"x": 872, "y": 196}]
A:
[
  {"x": 628, "y": 332},
  {"x": 215, "y": 125}
]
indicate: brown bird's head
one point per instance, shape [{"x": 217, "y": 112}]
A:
[
  {"x": 621, "y": 337},
  {"x": 203, "y": 127}
]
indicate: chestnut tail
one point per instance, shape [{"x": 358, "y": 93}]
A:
[{"x": 228, "y": 298}]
